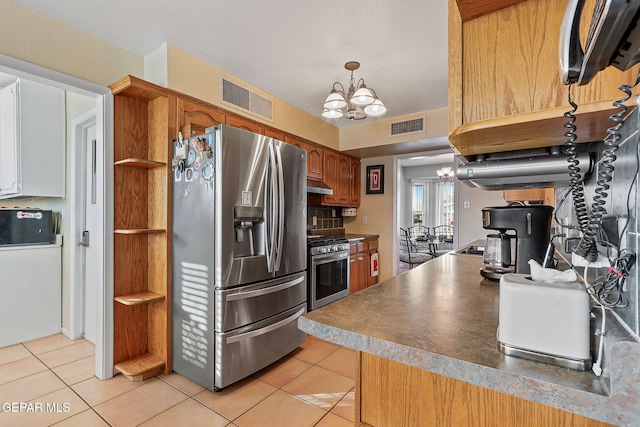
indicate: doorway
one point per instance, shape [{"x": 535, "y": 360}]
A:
[
  {"x": 85, "y": 227},
  {"x": 422, "y": 197},
  {"x": 73, "y": 267}
]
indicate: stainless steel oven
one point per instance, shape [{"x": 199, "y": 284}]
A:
[{"x": 328, "y": 270}]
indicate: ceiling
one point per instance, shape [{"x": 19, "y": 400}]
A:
[{"x": 291, "y": 49}]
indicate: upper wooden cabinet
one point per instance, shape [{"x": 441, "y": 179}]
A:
[
  {"x": 354, "y": 181},
  {"x": 274, "y": 133},
  {"x": 470, "y": 9},
  {"x": 342, "y": 174},
  {"x": 544, "y": 195},
  {"x": 504, "y": 87},
  {"x": 244, "y": 123},
  {"x": 332, "y": 179},
  {"x": 195, "y": 117},
  {"x": 315, "y": 158}
]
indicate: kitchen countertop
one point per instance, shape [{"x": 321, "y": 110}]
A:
[
  {"x": 440, "y": 318},
  {"x": 355, "y": 237}
]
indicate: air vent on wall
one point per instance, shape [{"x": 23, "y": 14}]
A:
[
  {"x": 408, "y": 126},
  {"x": 246, "y": 99}
]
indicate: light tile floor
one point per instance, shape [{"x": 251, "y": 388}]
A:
[{"x": 50, "y": 381}]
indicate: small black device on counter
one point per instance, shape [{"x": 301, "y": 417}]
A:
[{"x": 26, "y": 227}]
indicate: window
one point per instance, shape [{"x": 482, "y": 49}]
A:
[
  {"x": 417, "y": 203},
  {"x": 432, "y": 203},
  {"x": 446, "y": 204}
]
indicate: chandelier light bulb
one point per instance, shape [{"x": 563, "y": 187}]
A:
[
  {"x": 335, "y": 101},
  {"x": 332, "y": 113},
  {"x": 363, "y": 96},
  {"x": 376, "y": 109}
]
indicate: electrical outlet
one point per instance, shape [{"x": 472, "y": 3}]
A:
[
  {"x": 314, "y": 220},
  {"x": 364, "y": 219},
  {"x": 466, "y": 204}
]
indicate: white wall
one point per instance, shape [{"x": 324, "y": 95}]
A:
[{"x": 469, "y": 221}]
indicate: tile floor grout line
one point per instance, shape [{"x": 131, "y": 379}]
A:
[
  {"x": 188, "y": 398},
  {"x": 192, "y": 398},
  {"x": 74, "y": 392}
]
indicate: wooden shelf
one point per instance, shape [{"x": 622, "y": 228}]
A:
[
  {"x": 141, "y": 298},
  {"x": 139, "y": 230},
  {"x": 140, "y": 163},
  {"x": 532, "y": 130},
  {"x": 141, "y": 367}
]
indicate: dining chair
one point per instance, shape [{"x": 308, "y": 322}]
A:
[
  {"x": 443, "y": 236},
  {"x": 418, "y": 231},
  {"x": 408, "y": 251}
]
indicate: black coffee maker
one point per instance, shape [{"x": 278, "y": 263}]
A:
[{"x": 532, "y": 225}]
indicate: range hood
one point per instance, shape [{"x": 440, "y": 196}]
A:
[
  {"x": 528, "y": 172},
  {"x": 318, "y": 187}
]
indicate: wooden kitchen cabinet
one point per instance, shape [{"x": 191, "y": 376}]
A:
[
  {"x": 504, "y": 87},
  {"x": 332, "y": 177},
  {"x": 244, "y": 123},
  {"x": 389, "y": 393},
  {"x": 342, "y": 174},
  {"x": 360, "y": 265},
  {"x": 274, "y": 133},
  {"x": 545, "y": 195},
  {"x": 354, "y": 182},
  {"x": 315, "y": 157},
  {"x": 144, "y": 126},
  {"x": 195, "y": 117}
]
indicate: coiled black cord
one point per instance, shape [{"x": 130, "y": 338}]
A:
[
  {"x": 608, "y": 288},
  {"x": 575, "y": 179},
  {"x": 587, "y": 247}
]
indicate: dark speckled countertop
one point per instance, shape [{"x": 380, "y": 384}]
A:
[{"x": 441, "y": 317}]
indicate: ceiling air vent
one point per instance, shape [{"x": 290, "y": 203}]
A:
[
  {"x": 408, "y": 126},
  {"x": 246, "y": 99}
]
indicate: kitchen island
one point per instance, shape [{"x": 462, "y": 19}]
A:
[{"x": 427, "y": 354}]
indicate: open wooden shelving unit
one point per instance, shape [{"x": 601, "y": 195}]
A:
[{"x": 143, "y": 130}]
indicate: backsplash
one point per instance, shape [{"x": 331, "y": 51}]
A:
[
  {"x": 324, "y": 218},
  {"x": 622, "y": 201}
]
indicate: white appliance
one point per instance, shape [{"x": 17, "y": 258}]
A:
[
  {"x": 547, "y": 322},
  {"x": 239, "y": 254}
]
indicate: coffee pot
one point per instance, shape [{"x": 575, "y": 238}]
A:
[
  {"x": 532, "y": 227},
  {"x": 498, "y": 257}
]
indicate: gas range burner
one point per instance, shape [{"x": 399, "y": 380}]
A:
[{"x": 325, "y": 244}]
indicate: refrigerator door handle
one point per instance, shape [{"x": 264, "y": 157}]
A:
[
  {"x": 266, "y": 329},
  {"x": 281, "y": 211},
  {"x": 265, "y": 291},
  {"x": 270, "y": 201}
]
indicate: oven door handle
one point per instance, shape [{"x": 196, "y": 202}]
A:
[
  {"x": 266, "y": 329},
  {"x": 265, "y": 291},
  {"x": 329, "y": 257}
]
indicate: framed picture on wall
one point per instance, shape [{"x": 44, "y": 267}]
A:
[{"x": 375, "y": 179}]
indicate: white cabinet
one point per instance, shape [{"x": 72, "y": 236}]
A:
[
  {"x": 31, "y": 289},
  {"x": 32, "y": 140}
]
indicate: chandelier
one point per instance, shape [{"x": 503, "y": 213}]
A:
[
  {"x": 359, "y": 100},
  {"x": 446, "y": 175}
]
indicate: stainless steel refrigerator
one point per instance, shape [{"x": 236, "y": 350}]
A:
[{"x": 239, "y": 254}]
